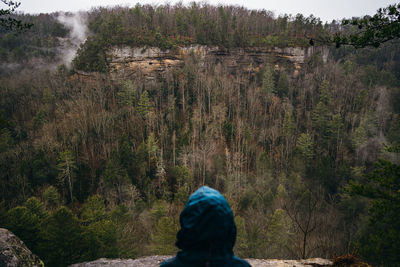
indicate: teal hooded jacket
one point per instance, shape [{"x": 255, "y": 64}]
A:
[{"x": 208, "y": 232}]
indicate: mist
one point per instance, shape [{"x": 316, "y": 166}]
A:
[{"x": 76, "y": 23}]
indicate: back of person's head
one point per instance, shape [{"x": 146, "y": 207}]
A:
[
  {"x": 207, "y": 218},
  {"x": 207, "y": 233}
]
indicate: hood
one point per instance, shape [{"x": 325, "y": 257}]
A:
[{"x": 208, "y": 229}]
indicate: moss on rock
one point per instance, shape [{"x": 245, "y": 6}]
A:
[{"x": 14, "y": 253}]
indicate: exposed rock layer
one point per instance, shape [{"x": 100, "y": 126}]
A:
[
  {"x": 153, "y": 261},
  {"x": 127, "y": 61},
  {"x": 14, "y": 253}
]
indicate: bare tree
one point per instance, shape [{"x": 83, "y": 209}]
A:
[{"x": 303, "y": 213}]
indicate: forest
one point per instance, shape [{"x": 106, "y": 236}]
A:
[{"x": 97, "y": 167}]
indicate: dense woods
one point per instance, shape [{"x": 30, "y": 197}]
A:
[
  {"x": 170, "y": 26},
  {"x": 93, "y": 167}
]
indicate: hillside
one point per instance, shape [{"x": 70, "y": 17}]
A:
[{"x": 99, "y": 154}]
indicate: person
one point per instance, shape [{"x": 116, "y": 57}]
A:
[{"x": 208, "y": 232}]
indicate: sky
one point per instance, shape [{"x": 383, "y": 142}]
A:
[{"x": 326, "y": 10}]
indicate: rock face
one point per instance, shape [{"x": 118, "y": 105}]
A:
[
  {"x": 141, "y": 262},
  {"x": 154, "y": 261},
  {"x": 126, "y": 62},
  {"x": 14, "y": 253},
  {"x": 316, "y": 262}
]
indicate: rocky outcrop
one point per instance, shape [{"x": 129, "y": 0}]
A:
[
  {"x": 316, "y": 262},
  {"x": 149, "y": 62},
  {"x": 141, "y": 262},
  {"x": 153, "y": 261},
  {"x": 14, "y": 253}
]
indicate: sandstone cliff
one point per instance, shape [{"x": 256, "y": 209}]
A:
[{"x": 126, "y": 62}]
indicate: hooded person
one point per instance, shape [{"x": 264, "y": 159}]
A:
[{"x": 208, "y": 232}]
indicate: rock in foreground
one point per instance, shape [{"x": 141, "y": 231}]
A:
[
  {"x": 316, "y": 262},
  {"x": 153, "y": 261},
  {"x": 14, "y": 253},
  {"x": 141, "y": 262}
]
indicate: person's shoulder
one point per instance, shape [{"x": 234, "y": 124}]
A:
[
  {"x": 168, "y": 263},
  {"x": 172, "y": 262},
  {"x": 240, "y": 262}
]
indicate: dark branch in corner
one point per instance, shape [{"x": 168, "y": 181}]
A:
[
  {"x": 367, "y": 31},
  {"x": 8, "y": 22}
]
